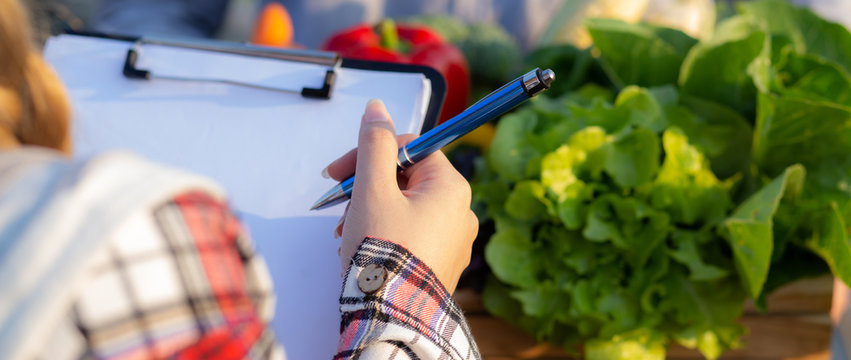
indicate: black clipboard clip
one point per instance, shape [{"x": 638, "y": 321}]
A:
[{"x": 329, "y": 59}]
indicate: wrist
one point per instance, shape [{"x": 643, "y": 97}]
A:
[{"x": 395, "y": 267}]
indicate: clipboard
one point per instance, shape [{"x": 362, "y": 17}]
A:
[
  {"x": 266, "y": 147},
  {"x": 330, "y": 59}
]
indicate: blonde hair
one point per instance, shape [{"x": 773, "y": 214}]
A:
[{"x": 33, "y": 106}]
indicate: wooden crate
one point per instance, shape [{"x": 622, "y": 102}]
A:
[{"x": 795, "y": 326}]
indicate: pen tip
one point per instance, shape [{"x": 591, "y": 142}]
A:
[
  {"x": 321, "y": 204},
  {"x": 331, "y": 198}
]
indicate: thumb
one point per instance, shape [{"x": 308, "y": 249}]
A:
[{"x": 377, "y": 150}]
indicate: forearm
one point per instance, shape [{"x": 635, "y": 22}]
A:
[{"x": 394, "y": 307}]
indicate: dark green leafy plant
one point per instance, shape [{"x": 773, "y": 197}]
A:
[{"x": 647, "y": 207}]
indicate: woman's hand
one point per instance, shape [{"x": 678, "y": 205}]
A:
[{"x": 425, "y": 209}]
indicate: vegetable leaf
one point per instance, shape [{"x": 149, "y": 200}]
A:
[
  {"x": 830, "y": 241},
  {"x": 645, "y": 110},
  {"x": 686, "y": 187},
  {"x": 641, "y": 344},
  {"x": 527, "y": 201},
  {"x": 688, "y": 254},
  {"x": 724, "y": 69},
  {"x": 639, "y": 54},
  {"x": 629, "y": 224},
  {"x": 808, "y": 32},
  {"x": 496, "y": 297},
  {"x": 721, "y": 133},
  {"x": 810, "y": 77},
  {"x": 707, "y": 314},
  {"x": 512, "y": 256},
  {"x": 793, "y": 130},
  {"x": 633, "y": 158},
  {"x": 749, "y": 229},
  {"x": 572, "y": 206},
  {"x": 510, "y": 151},
  {"x": 577, "y": 67},
  {"x": 561, "y": 168}
]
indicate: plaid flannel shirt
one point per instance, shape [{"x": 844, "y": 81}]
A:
[
  {"x": 411, "y": 316},
  {"x": 184, "y": 282}
]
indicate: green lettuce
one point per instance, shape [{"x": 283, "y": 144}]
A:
[{"x": 646, "y": 208}]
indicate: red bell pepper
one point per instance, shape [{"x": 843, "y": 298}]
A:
[{"x": 406, "y": 44}]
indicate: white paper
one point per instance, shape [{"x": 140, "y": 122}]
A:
[{"x": 266, "y": 148}]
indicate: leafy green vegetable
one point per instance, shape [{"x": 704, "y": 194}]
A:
[
  {"x": 642, "y": 54},
  {"x": 647, "y": 207}
]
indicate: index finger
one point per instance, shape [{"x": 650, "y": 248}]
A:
[{"x": 344, "y": 167}]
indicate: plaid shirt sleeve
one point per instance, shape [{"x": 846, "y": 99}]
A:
[
  {"x": 394, "y": 307},
  {"x": 182, "y": 282}
]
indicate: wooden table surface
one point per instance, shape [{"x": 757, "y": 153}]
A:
[{"x": 796, "y": 326}]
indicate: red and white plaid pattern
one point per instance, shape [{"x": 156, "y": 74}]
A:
[
  {"x": 411, "y": 317},
  {"x": 183, "y": 282}
]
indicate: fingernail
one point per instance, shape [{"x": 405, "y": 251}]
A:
[
  {"x": 338, "y": 230},
  {"x": 375, "y": 111},
  {"x": 325, "y": 173}
]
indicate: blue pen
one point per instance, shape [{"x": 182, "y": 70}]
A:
[{"x": 486, "y": 109}]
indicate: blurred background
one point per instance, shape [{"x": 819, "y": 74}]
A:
[{"x": 531, "y": 22}]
